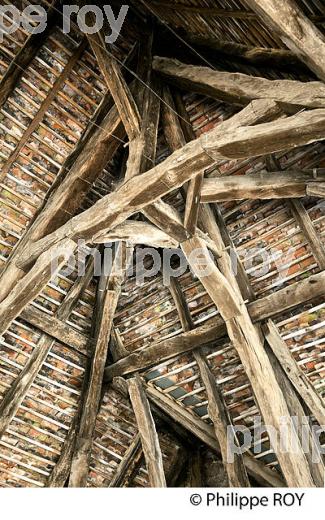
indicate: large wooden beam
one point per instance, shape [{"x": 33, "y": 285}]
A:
[
  {"x": 119, "y": 90},
  {"x": 57, "y": 329},
  {"x": 109, "y": 289},
  {"x": 272, "y": 185},
  {"x": 237, "y": 88},
  {"x": 296, "y": 31},
  {"x": 136, "y": 232},
  {"x": 297, "y": 377},
  {"x": 275, "y": 304},
  {"x": 148, "y": 433},
  {"x": 214, "y": 48},
  {"x": 184, "y": 164},
  {"x": 46, "y": 267},
  {"x": 316, "y": 190}
]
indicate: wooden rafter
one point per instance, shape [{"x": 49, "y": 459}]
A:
[
  {"x": 272, "y": 185},
  {"x": 237, "y": 88},
  {"x": 295, "y": 29},
  {"x": 147, "y": 431},
  {"x": 216, "y": 407},
  {"x": 119, "y": 90},
  {"x": 109, "y": 289},
  {"x": 47, "y": 266}
]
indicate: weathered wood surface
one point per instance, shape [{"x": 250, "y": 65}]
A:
[
  {"x": 181, "y": 304},
  {"x": 205, "y": 432},
  {"x": 184, "y": 164},
  {"x": 317, "y": 189},
  {"x": 76, "y": 290},
  {"x": 294, "y": 28},
  {"x": 109, "y": 289},
  {"x": 18, "y": 390},
  {"x": 115, "y": 81},
  {"x": 240, "y": 272},
  {"x": 237, "y": 52},
  {"x": 136, "y": 232},
  {"x": 131, "y": 454},
  {"x": 215, "y": 283},
  {"x": 148, "y": 433},
  {"x": 57, "y": 329},
  {"x": 47, "y": 266},
  {"x": 61, "y": 471},
  {"x": 297, "y": 377},
  {"x": 238, "y": 88},
  {"x": 273, "y": 185},
  {"x": 219, "y": 415},
  {"x": 304, "y": 221}
]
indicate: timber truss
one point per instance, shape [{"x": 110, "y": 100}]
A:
[{"x": 270, "y": 116}]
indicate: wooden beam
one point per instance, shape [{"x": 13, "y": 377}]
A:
[
  {"x": 181, "y": 304},
  {"x": 76, "y": 291},
  {"x": 136, "y": 232},
  {"x": 271, "y": 185},
  {"x": 184, "y": 164},
  {"x": 57, "y": 329},
  {"x": 215, "y": 283},
  {"x": 148, "y": 434},
  {"x": 133, "y": 452},
  {"x": 18, "y": 390},
  {"x": 304, "y": 221},
  {"x": 192, "y": 205},
  {"x": 237, "y": 88},
  {"x": 205, "y": 11},
  {"x": 205, "y": 432},
  {"x": 316, "y": 189},
  {"x": 107, "y": 297},
  {"x": 119, "y": 90},
  {"x": 295, "y": 30},
  {"x": 221, "y": 420},
  {"x": 217, "y": 410},
  {"x": 297, "y": 377},
  {"x": 46, "y": 267},
  {"x": 61, "y": 471},
  {"x": 214, "y": 48},
  {"x": 300, "y": 422},
  {"x": 24, "y": 57},
  {"x": 240, "y": 272}
]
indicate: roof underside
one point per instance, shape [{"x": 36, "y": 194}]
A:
[{"x": 270, "y": 239}]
